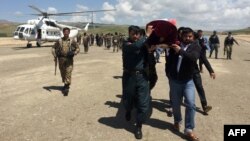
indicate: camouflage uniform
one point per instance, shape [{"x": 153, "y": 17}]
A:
[
  {"x": 121, "y": 40},
  {"x": 101, "y": 38},
  {"x": 85, "y": 41},
  {"x": 64, "y": 50},
  {"x": 108, "y": 39},
  {"x": 78, "y": 38},
  {"x": 92, "y": 38},
  {"x": 115, "y": 42}
]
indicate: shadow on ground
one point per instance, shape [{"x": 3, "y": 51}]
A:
[
  {"x": 50, "y": 88},
  {"x": 117, "y": 77},
  {"x": 118, "y": 121},
  {"x": 219, "y": 58},
  {"x": 34, "y": 47}
]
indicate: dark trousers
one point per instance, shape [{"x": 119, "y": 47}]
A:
[
  {"x": 200, "y": 60},
  {"x": 135, "y": 93},
  {"x": 199, "y": 87},
  {"x": 152, "y": 76},
  {"x": 214, "y": 47}
]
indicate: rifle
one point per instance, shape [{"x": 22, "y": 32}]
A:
[{"x": 55, "y": 59}]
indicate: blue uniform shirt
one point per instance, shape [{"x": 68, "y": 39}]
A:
[{"x": 134, "y": 55}]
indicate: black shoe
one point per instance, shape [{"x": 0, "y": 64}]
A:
[
  {"x": 128, "y": 116},
  {"x": 169, "y": 112},
  {"x": 65, "y": 92},
  {"x": 177, "y": 127},
  {"x": 138, "y": 132},
  {"x": 66, "y": 86}
]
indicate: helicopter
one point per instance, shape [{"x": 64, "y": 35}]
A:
[{"x": 45, "y": 29}]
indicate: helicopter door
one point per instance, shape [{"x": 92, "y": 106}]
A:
[
  {"x": 39, "y": 34},
  {"x": 44, "y": 34}
]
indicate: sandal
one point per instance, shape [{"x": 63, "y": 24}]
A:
[{"x": 191, "y": 136}]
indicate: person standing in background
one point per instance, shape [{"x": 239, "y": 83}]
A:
[
  {"x": 214, "y": 44},
  {"x": 228, "y": 45}
]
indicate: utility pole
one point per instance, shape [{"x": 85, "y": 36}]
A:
[{"x": 92, "y": 20}]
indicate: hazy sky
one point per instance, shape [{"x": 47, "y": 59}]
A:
[{"x": 202, "y": 14}]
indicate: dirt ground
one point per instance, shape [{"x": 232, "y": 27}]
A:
[{"x": 33, "y": 109}]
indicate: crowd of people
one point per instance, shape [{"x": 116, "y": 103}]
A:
[
  {"x": 107, "y": 40},
  {"x": 139, "y": 71},
  {"x": 182, "y": 71}
]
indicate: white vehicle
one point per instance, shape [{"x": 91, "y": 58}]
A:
[{"x": 44, "y": 29}]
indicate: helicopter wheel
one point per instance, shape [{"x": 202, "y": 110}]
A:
[
  {"x": 38, "y": 45},
  {"x": 29, "y": 45}
]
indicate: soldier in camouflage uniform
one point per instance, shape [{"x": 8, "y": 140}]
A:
[
  {"x": 64, "y": 51},
  {"x": 85, "y": 42},
  {"x": 92, "y": 38},
  {"x": 101, "y": 38},
  {"x": 115, "y": 42},
  {"x": 108, "y": 39},
  {"x": 105, "y": 40},
  {"x": 78, "y": 38}
]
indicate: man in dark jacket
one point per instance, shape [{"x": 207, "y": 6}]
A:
[
  {"x": 181, "y": 66},
  {"x": 197, "y": 76},
  {"x": 228, "y": 45},
  {"x": 201, "y": 40},
  {"x": 214, "y": 44}
]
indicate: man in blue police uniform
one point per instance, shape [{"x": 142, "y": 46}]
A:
[{"x": 135, "y": 84}]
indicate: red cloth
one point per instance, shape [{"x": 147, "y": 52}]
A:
[{"x": 163, "y": 28}]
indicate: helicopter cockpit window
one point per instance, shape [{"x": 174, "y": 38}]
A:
[
  {"x": 18, "y": 29},
  {"x": 26, "y": 30},
  {"x": 49, "y": 23},
  {"x": 53, "y": 24},
  {"x": 22, "y": 28},
  {"x": 32, "y": 32}
]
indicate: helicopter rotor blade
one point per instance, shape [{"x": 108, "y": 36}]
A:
[
  {"x": 36, "y": 9},
  {"x": 80, "y": 12},
  {"x": 36, "y": 14},
  {"x": 46, "y": 15}
]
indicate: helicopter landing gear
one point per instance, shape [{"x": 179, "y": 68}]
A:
[
  {"x": 29, "y": 45},
  {"x": 38, "y": 44}
]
